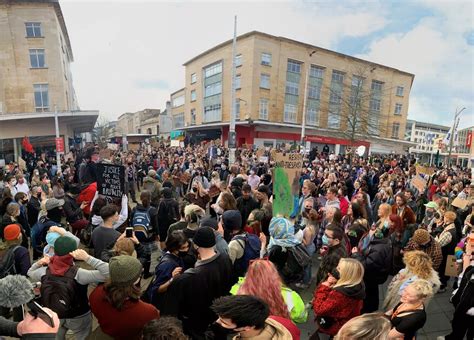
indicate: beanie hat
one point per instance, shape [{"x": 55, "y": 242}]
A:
[
  {"x": 152, "y": 173},
  {"x": 51, "y": 238},
  {"x": 209, "y": 221},
  {"x": 232, "y": 220},
  {"x": 124, "y": 270},
  {"x": 64, "y": 245},
  {"x": 421, "y": 236},
  {"x": 11, "y": 232},
  {"x": 205, "y": 237}
]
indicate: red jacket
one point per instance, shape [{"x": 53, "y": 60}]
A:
[
  {"x": 87, "y": 195},
  {"x": 289, "y": 325},
  {"x": 337, "y": 305},
  {"x": 126, "y": 324},
  {"x": 344, "y": 205}
]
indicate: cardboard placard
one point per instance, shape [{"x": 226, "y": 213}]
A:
[
  {"x": 21, "y": 163},
  {"x": 460, "y": 203},
  {"x": 419, "y": 183},
  {"x": 112, "y": 146},
  {"x": 214, "y": 191},
  {"x": 286, "y": 183},
  {"x": 110, "y": 180},
  {"x": 263, "y": 159},
  {"x": 105, "y": 153},
  {"x": 451, "y": 266},
  {"x": 424, "y": 170}
]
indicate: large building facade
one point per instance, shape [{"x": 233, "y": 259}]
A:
[
  {"x": 35, "y": 77},
  {"x": 346, "y": 100},
  {"x": 425, "y": 137}
]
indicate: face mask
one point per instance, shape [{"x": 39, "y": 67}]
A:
[
  {"x": 325, "y": 240},
  {"x": 252, "y": 172},
  {"x": 429, "y": 213},
  {"x": 195, "y": 189},
  {"x": 307, "y": 210},
  {"x": 223, "y": 167},
  {"x": 182, "y": 253}
]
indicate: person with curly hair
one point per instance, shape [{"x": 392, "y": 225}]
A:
[
  {"x": 165, "y": 328},
  {"x": 418, "y": 266}
]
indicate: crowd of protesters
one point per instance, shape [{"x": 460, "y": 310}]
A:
[{"x": 192, "y": 250}]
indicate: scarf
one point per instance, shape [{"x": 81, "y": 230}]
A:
[
  {"x": 59, "y": 265},
  {"x": 282, "y": 233}
]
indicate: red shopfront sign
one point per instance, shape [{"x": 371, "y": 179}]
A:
[
  {"x": 314, "y": 139},
  {"x": 59, "y": 144},
  {"x": 469, "y": 139}
]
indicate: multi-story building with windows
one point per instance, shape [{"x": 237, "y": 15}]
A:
[
  {"x": 425, "y": 137},
  {"x": 35, "y": 78},
  {"x": 346, "y": 100}
]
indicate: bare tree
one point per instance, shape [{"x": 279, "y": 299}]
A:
[
  {"x": 101, "y": 132},
  {"x": 356, "y": 106}
]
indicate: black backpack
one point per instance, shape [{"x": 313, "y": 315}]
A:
[
  {"x": 7, "y": 264},
  {"x": 58, "y": 293},
  {"x": 298, "y": 258}
]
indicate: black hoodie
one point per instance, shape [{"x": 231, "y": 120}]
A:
[{"x": 356, "y": 292}]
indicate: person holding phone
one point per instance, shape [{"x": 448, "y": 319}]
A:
[{"x": 339, "y": 298}]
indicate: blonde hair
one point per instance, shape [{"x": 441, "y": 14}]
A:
[
  {"x": 124, "y": 246},
  {"x": 351, "y": 273},
  {"x": 423, "y": 288},
  {"x": 374, "y": 326},
  {"x": 419, "y": 263},
  {"x": 386, "y": 208},
  {"x": 450, "y": 215}
]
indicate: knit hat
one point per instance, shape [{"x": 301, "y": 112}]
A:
[
  {"x": 124, "y": 270},
  {"x": 209, "y": 221},
  {"x": 53, "y": 203},
  {"x": 205, "y": 237},
  {"x": 421, "y": 236},
  {"x": 152, "y": 173},
  {"x": 64, "y": 245},
  {"x": 232, "y": 220},
  {"x": 431, "y": 205},
  {"x": 52, "y": 237},
  {"x": 11, "y": 232}
]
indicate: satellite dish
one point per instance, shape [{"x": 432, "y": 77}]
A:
[{"x": 361, "y": 150}]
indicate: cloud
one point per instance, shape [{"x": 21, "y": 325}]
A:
[
  {"x": 436, "y": 50},
  {"x": 152, "y": 84},
  {"x": 129, "y": 55}
]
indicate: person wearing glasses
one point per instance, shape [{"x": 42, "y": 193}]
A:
[{"x": 332, "y": 251}]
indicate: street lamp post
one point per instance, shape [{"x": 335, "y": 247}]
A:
[
  {"x": 305, "y": 102},
  {"x": 232, "y": 138},
  {"x": 451, "y": 138},
  {"x": 56, "y": 125}
]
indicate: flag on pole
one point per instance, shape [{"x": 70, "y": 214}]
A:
[
  {"x": 455, "y": 139},
  {"x": 27, "y": 145}
]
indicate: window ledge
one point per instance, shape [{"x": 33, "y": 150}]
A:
[
  {"x": 265, "y": 88},
  {"x": 40, "y": 37},
  {"x": 39, "y": 68}
]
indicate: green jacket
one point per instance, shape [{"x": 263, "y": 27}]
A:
[{"x": 296, "y": 307}]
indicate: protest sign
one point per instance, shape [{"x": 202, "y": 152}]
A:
[
  {"x": 451, "y": 268},
  {"x": 263, "y": 159},
  {"x": 260, "y": 152},
  {"x": 460, "y": 203},
  {"x": 112, "y": 146},
  {"x": 419, "y": 183},
  {"x": 286, "y": 183},
  {"x": 424, "y": 170},
  {"x": 21, "y": 163},
  {"x": 105, "y": 154},
  {"x": 110, "y": 180}
]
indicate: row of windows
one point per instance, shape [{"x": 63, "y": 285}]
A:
[
  {"x": 178, "y": 101},
  {"x": 213, "y": 89}
]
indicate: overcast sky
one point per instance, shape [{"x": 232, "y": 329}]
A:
[{"x": 129, "y": 55}]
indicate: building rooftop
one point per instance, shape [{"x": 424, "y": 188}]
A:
[
  {"x": 428, "y": 125},
  {"x": 59, "y": 14},
  {"x": 266, "y": 35}
]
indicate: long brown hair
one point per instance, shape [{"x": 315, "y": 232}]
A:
[{"x": 117, "y": 295}]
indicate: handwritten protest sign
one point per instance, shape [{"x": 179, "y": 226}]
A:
[
  {"x": 110, "y": 180},
  {"x": 286, "y": 183},
  {"x": 21, "y": 163},
  {"x": 419, "y": 183},
  {"x": 424, "y": 170},
  {"x": 460, "y": 203},
  {"x": 112, "y": 146}
]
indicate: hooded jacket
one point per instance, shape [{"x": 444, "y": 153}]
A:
[
  {"x": 273, "y": 330},
  {"x": 338, "y": 305},
  {"x": 377, "y": 260}
]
